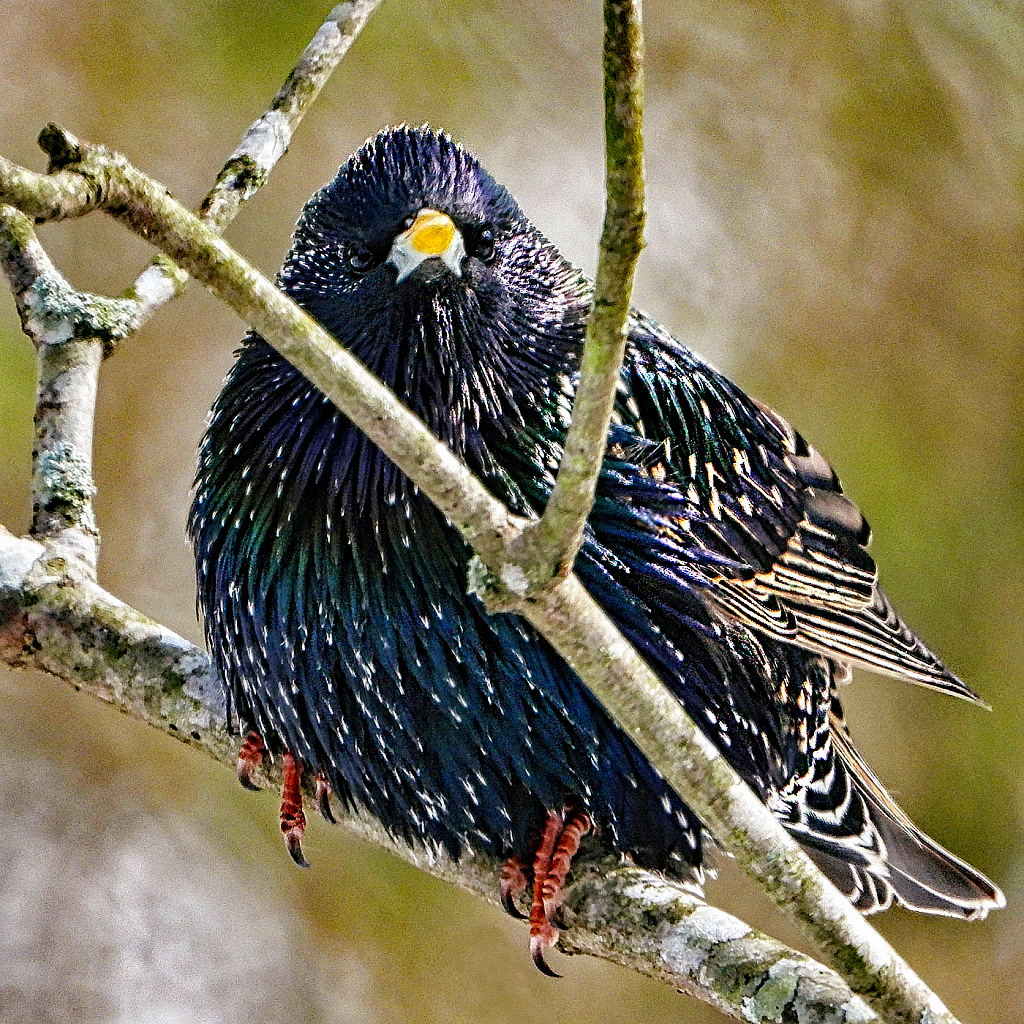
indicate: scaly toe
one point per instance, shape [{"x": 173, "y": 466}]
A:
[
  {"x": 250, "y": 758},
  {"x": 513, "y": 882},
  {"x": 323, "y": 798}
]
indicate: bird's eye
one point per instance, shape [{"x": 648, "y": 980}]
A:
[
  {"x": 484, "y": 247},
  {"x": 360, "y": 259}
]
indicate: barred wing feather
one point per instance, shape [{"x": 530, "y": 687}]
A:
[{"x": 760, "y": 516}]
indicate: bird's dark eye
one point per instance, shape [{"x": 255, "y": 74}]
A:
[
  {"x": 483, "y": 247},
  {"x": 360, "y": 259}
]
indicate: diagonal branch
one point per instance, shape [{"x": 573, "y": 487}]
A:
[
  {"x": 565, "y": 614},
  {"x": 54, "y": 619}
]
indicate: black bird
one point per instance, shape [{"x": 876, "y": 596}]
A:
[{"x": 721, "y": 544}]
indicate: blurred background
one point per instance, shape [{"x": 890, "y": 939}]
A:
[{"x": 835, "y": 196}]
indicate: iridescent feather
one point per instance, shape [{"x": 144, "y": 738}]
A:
[{"x": 334, "y": 594}]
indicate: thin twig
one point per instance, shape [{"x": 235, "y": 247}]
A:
[
  {"x": 550, "y": 546},
  {"x": 565, "y": 614},
  {"x": 60, "y": 622},
  {"x": 265, "y": 141},
  {"x": 73, "y": 331}
]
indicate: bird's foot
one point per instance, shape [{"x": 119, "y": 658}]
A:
[
  {"x": 513, "y": 882},
  {"x": 323, "y": 798},
  {"x": 559, "y": 841},
  {"x": 293, "y": 820},
  {"x": 250, "y": 758}
]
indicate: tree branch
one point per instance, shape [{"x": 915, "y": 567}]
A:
[
  {"x": 565, "y": 614},
  {"x": 55, "y": 619},
  {"x": 56, "y": 317},
  {"x": 550, "y": 546},
  {"x": 72, "y": 331}
]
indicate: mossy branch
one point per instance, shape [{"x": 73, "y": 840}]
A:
[{"x": 55, "y": 619}]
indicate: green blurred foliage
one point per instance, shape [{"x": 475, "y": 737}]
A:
[{"x": 835, "y": 199}]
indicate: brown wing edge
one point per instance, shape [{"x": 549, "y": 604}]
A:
[{"x": 828, "y": 552}]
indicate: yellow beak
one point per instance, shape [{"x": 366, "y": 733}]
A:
[{"x": 431, "y": 235}]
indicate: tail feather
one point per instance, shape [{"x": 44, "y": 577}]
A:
[
  {"x": 868, "y": 847},
  {"x": 925, "y": 876}
]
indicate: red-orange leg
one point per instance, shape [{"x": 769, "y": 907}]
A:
[
  {"x": 577, "y": 825},
  {"x": 543, "y": 934},
  {"x": 250, "y": 758},
  {"x": 559, "y": 843},
  {"x": 293, "y": 820}
]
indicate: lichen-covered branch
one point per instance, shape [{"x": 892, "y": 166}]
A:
[
  {"x": 66, "y": 328},
  {"x": 658, "y": 928},
  {"x": 73, "y": 331},
  {"x": 565, "y": 613},
  {"x": 550, "y": 545},
  {"x": 55, "y": 619}
]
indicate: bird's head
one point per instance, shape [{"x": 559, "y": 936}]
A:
[{"x": 425, "y": 267}]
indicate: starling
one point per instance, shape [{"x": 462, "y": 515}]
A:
[{"x": 720, "y": 543}]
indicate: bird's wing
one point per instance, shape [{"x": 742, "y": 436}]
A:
[{"x": 750, "y": 512}]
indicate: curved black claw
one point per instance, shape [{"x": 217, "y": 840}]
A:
[
  {"x": 323, "y": 799},
  {"x": 250, "y": 757},
  {"x": 513, "y": 882},
  {"x": 508, "y": 903},
  {"x": 293, "y": 843},
  {"x": 537, "y": 946}
]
